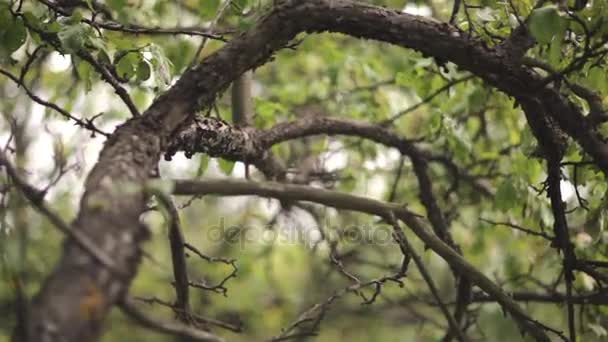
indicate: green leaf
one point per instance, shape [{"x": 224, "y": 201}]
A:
[
  {"x": 226, "y": 165},
  {"x": 477, "y": 99},
  {"x": 53, "y": 27},
  {"x": 281, "y": 150},
  {"x": 75, "y": 18},
  {"x": 118, "y": 5},
  {"x": 127, "y": 65},
  {"x": 435, "y": 122},
  {"x": 90, "y": 4},
  {"x": 597, "y": 79},
  {"x": 526, "y": 168},
  {"x": 267, "y": 109},
  {"x": 12, "y": 33},
  {"x": 246, "y": 22},
  {"x": 348, "y": 183},
  {"x": 30, "y": 18},
  {"x": 180, "y": 53},
  {"x": 545, "y": 23},
  {"x": 73, "y": 37},
  {"x": 402, "y": 79},
  {"x": 98, "y": 44},
  {"x": 457, "y": 138},
  {"x": 424, "y": 62},
  {"x": 202, "y": 165},
  {"x": 241, "y": 3},
  {"x": 208, "y": 8},
  {"x": 555, "y": 52},
  {"x": 162, "y": 65},
  {"x": 143, "y": 71},
  {"x": 103, "y": 57},
  {"x": 320, "y": 145},
  {"x": 506, "y": 195},
  {"x": 460, "y": 147},
  {"x": 86, "y": 74},
  {"x": 487, "y": 14}
]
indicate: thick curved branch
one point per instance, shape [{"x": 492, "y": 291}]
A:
[
  {"x": 249, "y": 145},
  {"x": 318, "y": 124},
  {"x": 315, "y": 125}
]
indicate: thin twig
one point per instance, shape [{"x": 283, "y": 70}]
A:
[
  {"x": 426, "y": 275},
  {"x": 219, "y": 288},
  {"x": 107, "y": 76},
  {"x": 519, "y": 228},
  {"x": 237, "y": 328},
  {"x": 218, "y": 16},
  {"x": 128, "y": 307},
  {"x": 139, "y": 29},
  {"x": 178, "y": 257},
  {"x": 344, "y": 201},
  {"x": 86, "y": 123},
  {"x": 36, "y": 197},
  {"x": 427, "y": 99}
]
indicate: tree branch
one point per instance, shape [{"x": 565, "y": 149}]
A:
[
  {"x": 178, "y": 258},
  {"x": 129, "y": 308},
  {"x": 36, "y": 197},
  {"x": 426, "y": 275},
  {"x": 138, "y": 29},
  {"x": 84, "y": 123},
  {"x": 373, "y": 207}
]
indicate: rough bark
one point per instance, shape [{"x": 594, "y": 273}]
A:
[{"x": 79, "y": 293}]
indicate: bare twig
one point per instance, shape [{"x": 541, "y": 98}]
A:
[
  {"x": 36, "y": 197},
  {"x": 519, "y": 228},
  {"x": 84, "y": 123},
  {"x": 315, "y": 314},
  {"x": 197, "y": 319},
  {"x": 139, "y": 29},
  {"x": 225, "y": 5},
  {"x": 129, "y": 308},
  {"x": 178, "y": 257},
  {"x": 426, "y": 100},
  {"x": 219, "y": 288},
  {"x": 370, "y": 206},
  {"x": 426, "y": 275},
  {"x": 107, "y": 76}
]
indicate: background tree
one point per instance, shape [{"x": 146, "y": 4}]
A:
[{"x": 425, "y": 170}]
